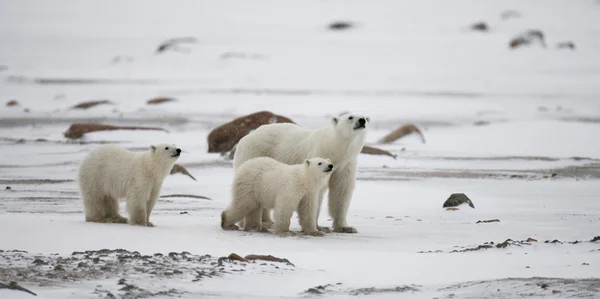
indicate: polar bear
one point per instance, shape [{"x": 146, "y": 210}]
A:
[
  {"x": 109, "y": 173},
  {"x": 264, "y": 183},
  {"x": 291, "y": 144}
]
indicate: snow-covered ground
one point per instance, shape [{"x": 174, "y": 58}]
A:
[{"x": 518, "y": 131}]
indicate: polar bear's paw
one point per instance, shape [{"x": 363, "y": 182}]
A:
[
  {"x": 149, "y": 224},
  {"x": 115, "y": 220},
  {"x": 324, "y": 229},
  {"x": 267, "y": 224},
  {"x": 316, "y": 234},
  {"x": 345, "y": 229},
  {"x": 287, "y": 234}
]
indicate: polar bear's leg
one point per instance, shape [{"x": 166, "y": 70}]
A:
[
  {"x": 307, "y": 212},
  {"x": 283, "y": 215},
  {"x": 324, "y": 229},
  {"x": 253, "y": 221},
  {"x": 112, "y": 211},
  {"x": 94, "y": 205},
  {"x": 266, "y": 218},
  {"x": 239, "y": 208},
  {"x": 150, "y": 205},
  {"x": 137, "y": 207},
  {"x": 341, "y": 187}
]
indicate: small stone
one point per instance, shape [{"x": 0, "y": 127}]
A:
[
  {"x": 456, "y": 199},
  {"x": 488, "y": 221},
  {"x": 531, "y": 240},
  {"x": 527, "y": 267},
  {"x": 122, "y": 281},
  {"x": 26, "y": 110},
  {"x": 585, "y": 264},
  {"x": 183, "y": 213},
  {"x": 555, "y": 292},
  {"x": 340, "y": 25},
  {"x": 389, "y": 217},
  {"x": 452, "y": 209},
  {"x": 59, "y": 268},
  {"x": 480, "y": 26},
  {"x": 8, "y": 188},
  {"x": 566, "y": 45},
  {"x": 12, "y": 103},
  {"x": 544, "y": 286}
]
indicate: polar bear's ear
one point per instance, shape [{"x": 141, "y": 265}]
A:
[
  {"x": 368, "y": 119},
  {"x": 153, "y": 148},
  {"x": 334, "y": 120},
  {"x": 307, "y": 162}
]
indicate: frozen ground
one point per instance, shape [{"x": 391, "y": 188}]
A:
[{"x": 517, "y": 131}]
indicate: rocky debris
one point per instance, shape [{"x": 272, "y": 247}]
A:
[
  {"x": 595, "y": 239},
  {"x": 268, "y": 258},
  {"x": 180, "y": 169},
  {"x": 566, "y": 45},
  {"x": 487, "y": 221},
  {"x": 185, "y": 195},
  {"x": 123, "y": 265},
  {"x": 160, "y": 100},
  {"x": 15, "y": 286},
  {"x": 223, "y": 138},
  {"x": 369, "y": 150},
  {"x": 77, "y": 130},
  {"x": 12, "y": 103},
  {"x": 553, "y": 242},
  {"x": 340, "y": 25},
  {"x": 174, "y": 43},
  {"x": 528, "y": 38},
  {"x": 90, "y": 104},
  {"x": 481, "y": 123},
  {"x": 524, "y": 288},
  {"x": 456, "y": 199},
  {"x": 404, "y": 130},
  {"x": 480, "y": 26},
  {"x": 8, "y": 188},
  {"x": 531, "y": 240},
  {"x": 480, "y": 247},
  {"x": 370, "y": 291},
  {"x": 337, "y": 289},
  {"x": 510, "y": 14}
]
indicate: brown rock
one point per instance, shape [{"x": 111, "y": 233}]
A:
[
  {"x": 77, "y": 130},
  {"x": 369, "y": 150},
  {"x": 12, "y": 103},
  {"x": 235, "y": 257},
  {"x": 180, "y": 169},
  {"x": 401, "y": 132},
  {"x": 555, "y": 292},
  {"x": 268, "y": 258},
  {"x": 452, "y": 209},
  {"x": 157, "y": 101},
  {"x": 531, "y": 240},
  {"x": 480, "y": 26},
  {"x": 527, "y": 38},
  {"x": 225, "y": 137},
  {"x": 90, "y": 104}
]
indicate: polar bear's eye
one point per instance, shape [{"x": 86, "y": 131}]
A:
[
  {"x": 350, "y": 118},
  {"x": 320, "y": 163},
  {"x": 166, "y": 148}
]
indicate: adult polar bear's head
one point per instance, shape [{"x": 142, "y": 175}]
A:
[
  {"x": 319, "y": 165},
  {"x": 350, "y": 125}
]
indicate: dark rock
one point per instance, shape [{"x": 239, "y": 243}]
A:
[
  {"x": 544, "y": 286},
  {"x": 160, "y": 100},
  {"x": 59, "y": 268},
  {"x": 340, "y": 25},
  {"x": 457, "y": 199},
  {"x": 566, "y": 45},
  {"x": 39, "y": 262},
  {"x": 595, "y": 239},
  {"x": 90, "y": 104},
  {"x": 223, "y": 138},
  {"x": 480, "y": 26},
  {"x": 8, "y": 188},
  {"x": 487, "y": 221},
  {"x": 183, "y": 213},
  {"x": 528, "y": 38}
]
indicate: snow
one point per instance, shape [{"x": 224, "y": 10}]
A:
[{"x": 534, "y": 164}]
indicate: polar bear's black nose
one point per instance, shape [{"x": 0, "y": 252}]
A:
[
  {"x": 361, "y": 121},
  {"x": 178, "y": 151},
  {"x": 330, "y": 166}
]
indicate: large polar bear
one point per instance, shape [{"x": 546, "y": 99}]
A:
[
  {"x": 291, "y": 144},
  {"x": 109, "y": 173},
  {"x": 264, "y": 183}
]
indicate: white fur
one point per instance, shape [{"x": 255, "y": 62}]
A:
[
  {"x": 291, "y": 144},
  {"x": 263, "y": 183},
  {"x": 109, "y": 173}
]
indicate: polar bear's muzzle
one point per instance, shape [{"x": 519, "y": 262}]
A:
[
  {"x": 329, "y": 168},
  {"x": 177, "y": 153},
  {"x": 360, "y": 124}
]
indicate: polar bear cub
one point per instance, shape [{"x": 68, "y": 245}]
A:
[
  {"x": 264, "y": 183},
  {"x": 109, "y": 173}
]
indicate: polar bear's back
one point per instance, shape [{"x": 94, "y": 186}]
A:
[
  {"x": 283, "y": 142},
  {"x": 107, "y": 169},
  {"x": 263, "y": 178}
]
